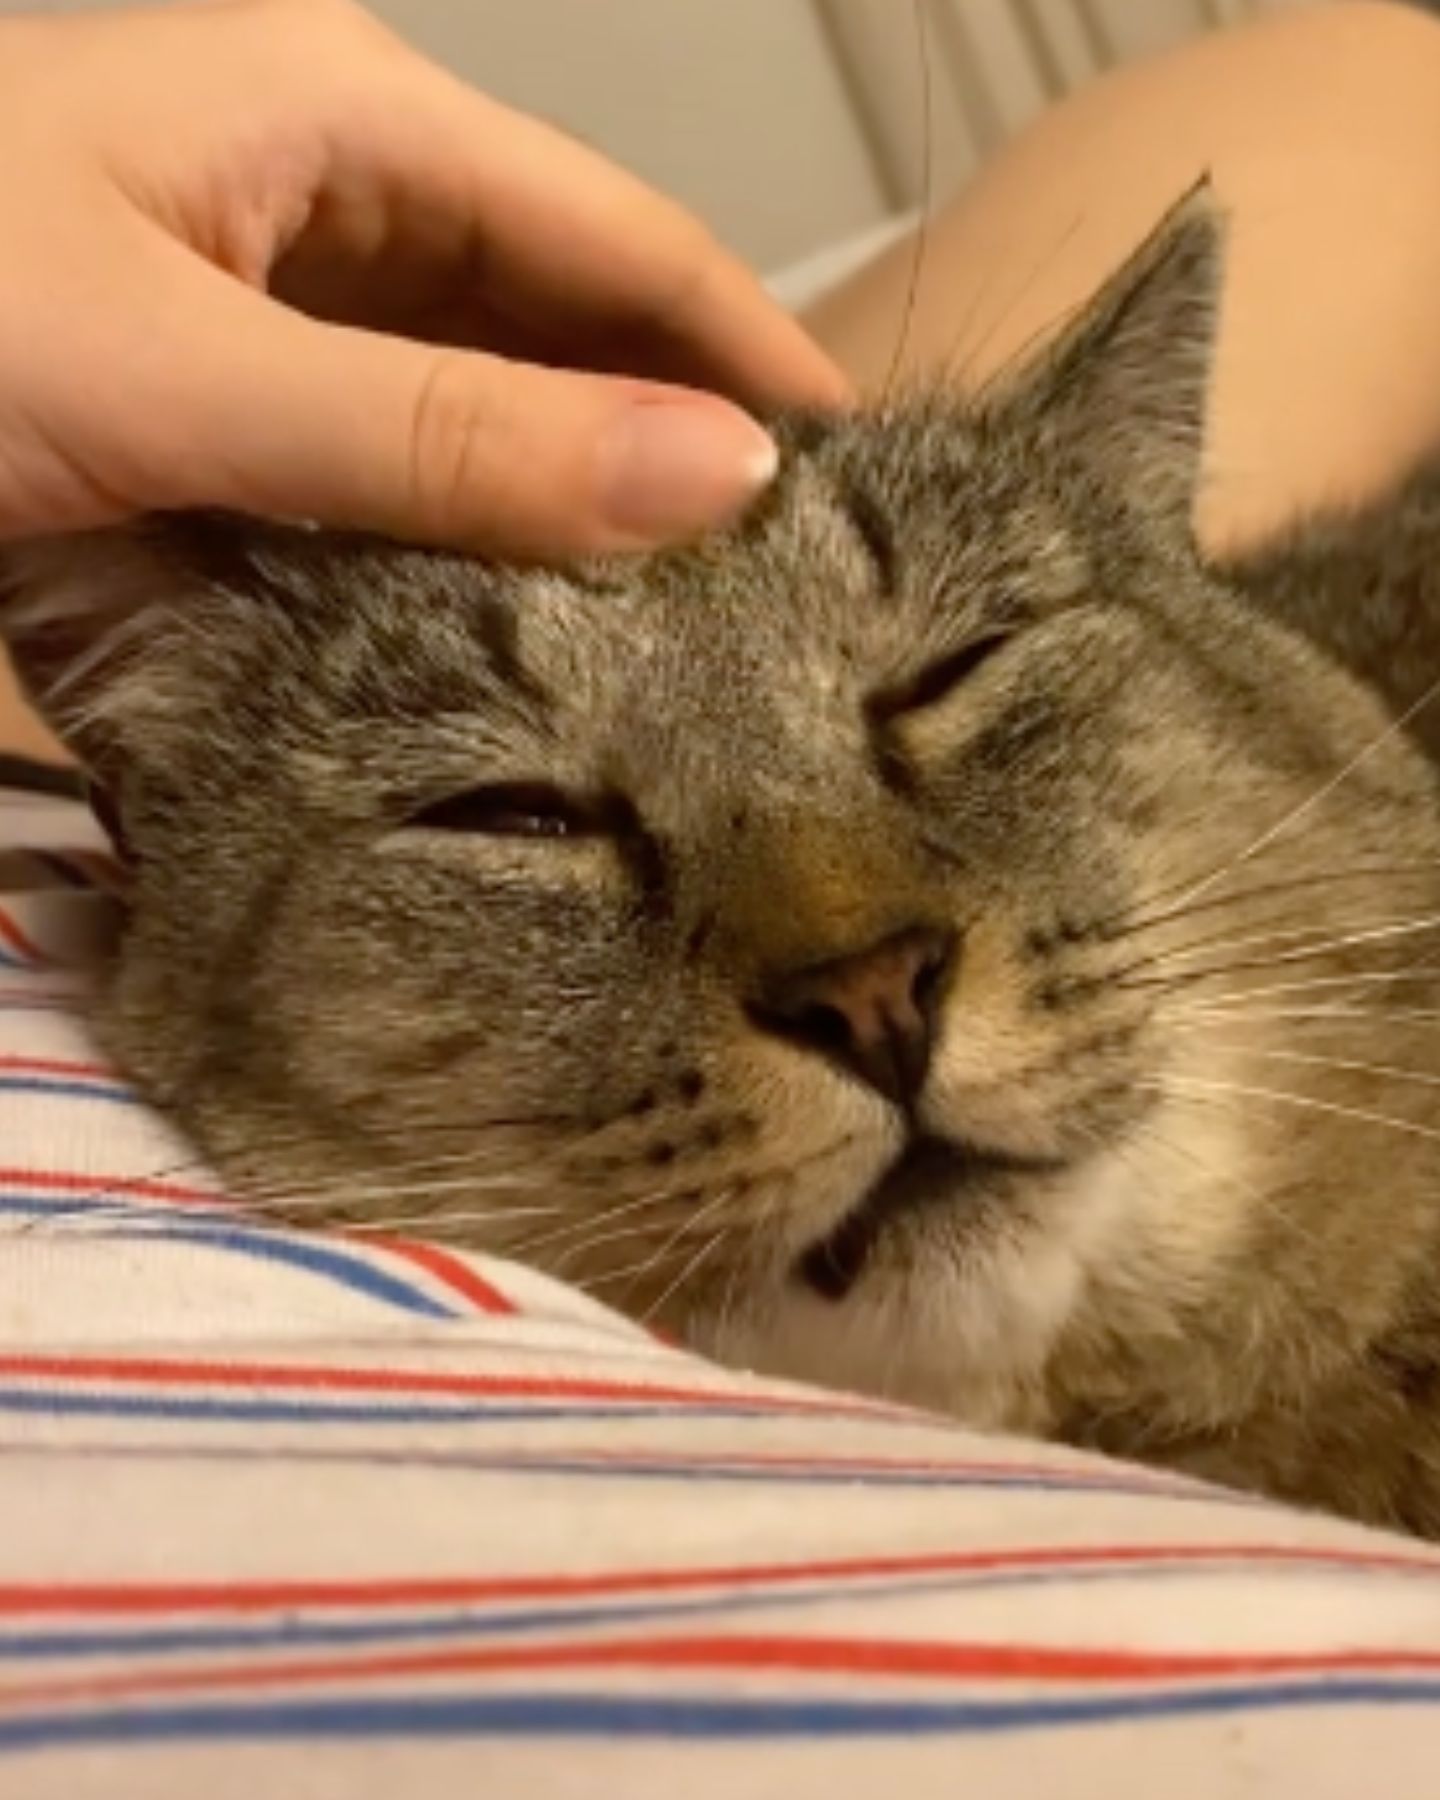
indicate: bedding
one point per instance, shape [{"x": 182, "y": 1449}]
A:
[{"x": 321, "y": 1515}]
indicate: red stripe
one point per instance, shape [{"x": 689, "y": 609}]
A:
[
  {"x": 79, "y": 1071},
  {"x": 904, "y": 1660},
  {"x": 147, "y": 1598},
  {"x": 16, "y": 939},
  {"x": 100, "y": 1187},
  {"x": 167, "y": 1372},
  {"x": 450, "y": 1271}
]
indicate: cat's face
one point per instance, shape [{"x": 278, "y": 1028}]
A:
[{"x": 787, "y": 938}]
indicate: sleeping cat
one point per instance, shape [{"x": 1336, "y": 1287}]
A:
[{"x": 938, "y": 937}]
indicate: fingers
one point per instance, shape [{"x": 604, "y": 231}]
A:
[
  {"x": 292, "y": 417},
  {"x": 577, "y": 248},
  {"x": 188, "y": 163}
]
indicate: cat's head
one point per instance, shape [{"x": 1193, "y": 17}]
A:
[{"x": 810, "y": 937}]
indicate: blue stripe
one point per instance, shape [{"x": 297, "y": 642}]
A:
[
  {"x": 540, "y": 1464},
  {"x": 631, "y": 1716},
  {"x": 292, "y": 1633},
  {"x": 315, "y": 1256},
  {"x": 70, "y": 1090},
  {"x": 65, "y": 1402},
  {"x": 111, "y": 1199}
]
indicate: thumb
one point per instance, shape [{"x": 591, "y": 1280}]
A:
[{"x": 353, "y": 428}]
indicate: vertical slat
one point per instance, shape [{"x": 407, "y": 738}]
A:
[
  {"x": 1135, "y": 27},
  {"x": 1231, "y": 12},
  {"x": 993, "y": 66},
  {"x": 879, "y": 45},
  {"x": 1091, "y": 20},
  {"x": 1058, "y": 48}
]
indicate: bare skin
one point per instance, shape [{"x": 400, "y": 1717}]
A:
[
  {"x": 263, "y": 255},
  {"x": 1321, "y": 130}
]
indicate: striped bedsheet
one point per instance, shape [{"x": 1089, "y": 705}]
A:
[{"x": 320, "y": 1516}]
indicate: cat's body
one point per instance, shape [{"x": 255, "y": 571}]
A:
[{"x": 938, "y": 938}]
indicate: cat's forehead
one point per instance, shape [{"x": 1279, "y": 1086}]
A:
[
  {"x": 886, "y": 541},
  {"x": 879, "y": 531}
]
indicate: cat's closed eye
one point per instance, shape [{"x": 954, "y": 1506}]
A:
[
  {"x": 938, "y": 680},
  {"x": 515, "y": 809}
]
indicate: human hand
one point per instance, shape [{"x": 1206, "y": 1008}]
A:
[{"x": 261, "y": 255}]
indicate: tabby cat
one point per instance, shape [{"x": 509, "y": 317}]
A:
[{"x": 940, "y": 936}]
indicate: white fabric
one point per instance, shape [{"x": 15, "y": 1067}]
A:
[{"x": 314, "y": 1517}]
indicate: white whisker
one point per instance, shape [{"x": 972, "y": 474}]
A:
[
  {"x": 1297, "y": 813},
  {"x": 1185, "y": 1085}
]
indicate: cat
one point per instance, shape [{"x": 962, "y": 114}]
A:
[{"x": 940, "y": 936}]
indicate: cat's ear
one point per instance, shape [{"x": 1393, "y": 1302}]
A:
[
  {"x": 86, "y": 619},
  {"x": 1126, "y": 380}
]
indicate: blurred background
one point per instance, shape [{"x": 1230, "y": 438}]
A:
[{"x": 797, "y": 128}]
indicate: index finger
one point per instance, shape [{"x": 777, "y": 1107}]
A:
[{"x": 572, "y": 244}]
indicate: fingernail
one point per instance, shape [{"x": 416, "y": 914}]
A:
[{"x": 670, "y": 469}]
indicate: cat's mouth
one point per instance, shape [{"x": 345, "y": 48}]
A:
[{"x": 930, "y": 1171}]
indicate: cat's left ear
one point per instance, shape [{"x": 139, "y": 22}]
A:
[{"x": 1125, "y": 384}]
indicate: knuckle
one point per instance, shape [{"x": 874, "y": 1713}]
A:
[
  {"x": 450, "y": 448},
  {"x": 677, "y": 300}
]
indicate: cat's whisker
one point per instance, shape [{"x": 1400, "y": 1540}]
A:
[
  {"x": 1387, "y": 1019},
  {"x": 585, "y": 1246},
  {"x": 963, "y": 359},
  {"x": 1052, "y": 327},
  {"x": 1223, "y": 941},
  {"x": 1130, "y": 921},
  {"x": 1257, "y": 1197},
  {"x": 102, "y": 1220},
  {"x": 118, "y": 1189},
  {"x": 415, "y": 1178},
  {"x": 1197, "y": 1085},
  {"x": 671, "y": 1195},
  {"x": 927, "y": 178},
  {"x": 1298, "y": 813},
  {"x": 340, "y": 1198},
  {"x": 583, "y": 1235},
  {"x": 688, "y": 1227},
  {"x": 275, "y": 1203},
  {"x": 686, "y": 1274},
  {"x": 1347, "y": 1065},
  {"x": 1307, "y": 941},
  {"x": 730, "y": 1295},
  {"x": 1370, "y": 931},
  {"x": 345, "y": 1203},
  {"x": 430, "y": 1223},
  {"x": 606, "y": 1215},
  {"x": 1266, "y": 1204},
  {"x": 1356, "y": 981}
]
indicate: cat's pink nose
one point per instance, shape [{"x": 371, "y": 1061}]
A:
[{"x": 873, "y": 1012}]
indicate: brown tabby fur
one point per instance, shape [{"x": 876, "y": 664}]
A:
[{"x": 963, "y": 674}]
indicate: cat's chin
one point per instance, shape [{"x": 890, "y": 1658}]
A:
[
  {"x": 967, "y": 1269},
  {"x": 929, "y": 1172}
]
